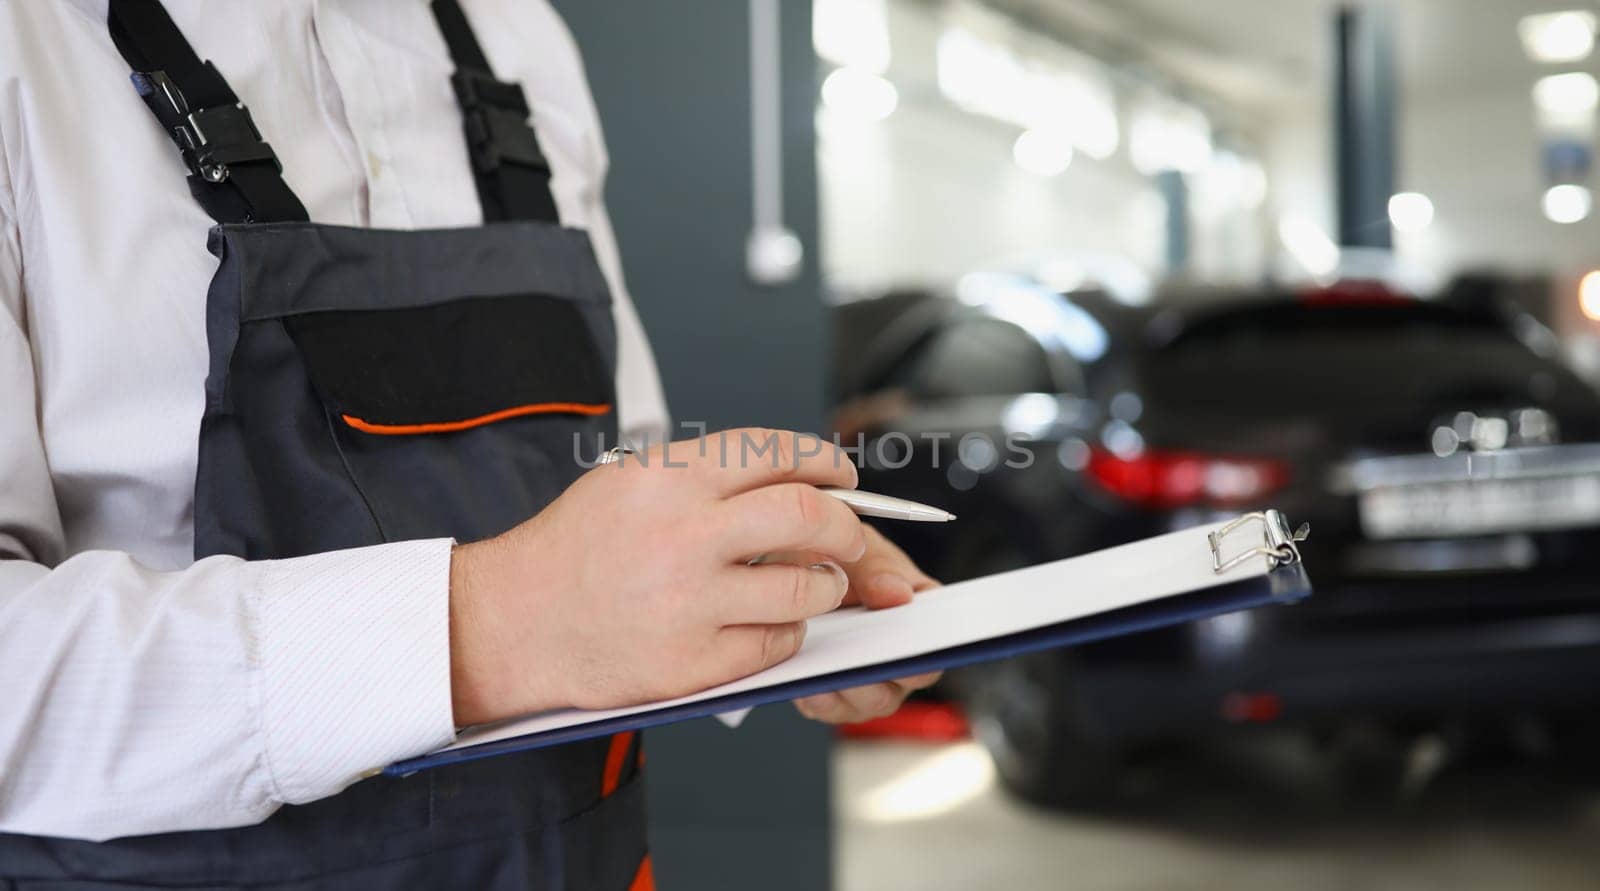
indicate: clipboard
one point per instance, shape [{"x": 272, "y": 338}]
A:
[{"x": 1252, "y": 561}]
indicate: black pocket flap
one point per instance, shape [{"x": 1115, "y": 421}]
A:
[{"x": 453, "y": 366}]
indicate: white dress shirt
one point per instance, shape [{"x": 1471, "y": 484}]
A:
[{"x": 141, "y": 691}]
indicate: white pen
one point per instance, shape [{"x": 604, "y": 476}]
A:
[
  {"x": 865, "y": 504},
  {"x": 871, "y": 504}
]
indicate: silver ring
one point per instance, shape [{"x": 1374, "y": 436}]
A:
[{"x": 612, "y": 456}]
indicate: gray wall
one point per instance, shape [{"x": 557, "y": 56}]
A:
[{"x": 747, "y": 808}]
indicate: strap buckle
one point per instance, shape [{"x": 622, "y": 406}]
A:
[
  {"x": 210, "y": 138},
  {"x": 495, "y": 114}
]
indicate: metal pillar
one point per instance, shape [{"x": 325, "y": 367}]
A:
[
  {"x": 1175, "y": 196},
  {"x": 1365, "y": 90}
]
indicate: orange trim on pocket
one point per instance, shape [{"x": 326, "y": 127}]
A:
[
  {"x": 616, "y": 757},
  {"x": 541, "y": 408},
  {"x": 645, "y": 878}
]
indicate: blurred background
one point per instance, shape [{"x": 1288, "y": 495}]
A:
[{"x": 1198, "y": 258}]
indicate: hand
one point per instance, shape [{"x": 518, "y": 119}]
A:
[
  {"x": 882, "y": 578},
  {"x": 632, "y": 586}
]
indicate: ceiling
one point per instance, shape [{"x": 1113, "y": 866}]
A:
[
  {"x": 1472, "y": 44},
  {"x": 1255, "y": 53}
]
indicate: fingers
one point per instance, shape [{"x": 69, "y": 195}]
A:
[
  {"x": 790, "y": 517},
  {"x": 884, "y": 576},
  {"x": 863, "y": 703},
  {"x": 780, "y": 593},
  {"x": 920, "y": 681},
  {"x": 743, "y": 650},
  {"x": 882, "y": 590},
  {"x": 737, "y": 461}
]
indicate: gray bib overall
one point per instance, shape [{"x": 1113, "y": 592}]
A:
[{"x": 368, "y": 386}]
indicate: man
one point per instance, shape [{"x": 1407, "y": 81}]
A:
[{"x": 289, "y": 501}]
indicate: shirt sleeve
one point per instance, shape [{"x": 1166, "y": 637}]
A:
[{"x": 135, "y": 701}]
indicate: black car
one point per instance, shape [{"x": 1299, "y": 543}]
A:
[{"x": 1447, "y": 461}]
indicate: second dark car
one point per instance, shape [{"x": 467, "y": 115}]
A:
[{"x": 1445, "y": 457}]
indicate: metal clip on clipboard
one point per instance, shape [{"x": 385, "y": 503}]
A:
[{"x": 1279, "y": 545}]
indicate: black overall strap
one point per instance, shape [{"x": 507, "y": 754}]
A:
[
  {"x": 233, "y": 173},
  {"x": 512, "y": 174}
]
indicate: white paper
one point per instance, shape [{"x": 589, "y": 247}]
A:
[
  {"x": 734, "y": 718},
  {"x": 964, "y": 613}
]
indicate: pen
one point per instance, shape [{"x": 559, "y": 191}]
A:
[
  {"x": 866, "y": 504},
  {"x": 871, "y": 504}
]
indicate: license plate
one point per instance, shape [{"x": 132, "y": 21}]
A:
[{"x": 1481, "y": 507}]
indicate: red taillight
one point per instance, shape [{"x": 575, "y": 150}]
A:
[
  {"x": 1159, "y": 479},
  {"x": 1355, "y": 292},
  {"x": 1255, "y": 708}
]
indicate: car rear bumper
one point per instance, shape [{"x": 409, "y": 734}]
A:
[
  {"x": 1549, "y": 663},
  {"x": 1368, "y": 474}
]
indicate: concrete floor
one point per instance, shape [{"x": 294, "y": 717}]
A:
[{"x": 1255, "y": 814}]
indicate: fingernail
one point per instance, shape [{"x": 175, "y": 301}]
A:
[{"x": 838, "y": 574}]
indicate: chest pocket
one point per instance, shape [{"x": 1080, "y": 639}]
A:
[
  {"x": 459, "y": 418},
  {"x": 453, "y": 366}
]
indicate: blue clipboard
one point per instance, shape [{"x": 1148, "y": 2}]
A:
[{"x": 1286, "y": 583}]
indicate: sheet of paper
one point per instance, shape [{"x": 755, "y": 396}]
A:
[
  {"x": 734, "y": 718},
  {"x": 958, "y": 614}
]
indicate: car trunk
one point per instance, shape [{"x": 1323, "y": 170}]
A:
[
  {"x": 1321, "y": 387},
  {"x": 1356, "y": 379}
]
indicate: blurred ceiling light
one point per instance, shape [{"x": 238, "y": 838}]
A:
[
  {"x": 1309, "y": 245},
  {"x": 989, "y": 79},
  {"x": 1565, "y": 95},
  {"x": 1589, "y": 295},
  {"x": 1567, "y": 203},
  {"x": 852, "y": 33},
  {"x": 1169, "y": 136},
  {"x": 859, "y": 94},
  {"x": 1558, "y": 36},
  {"x": 1410, "y": 211},
  {"x": 1042, "y": 152},
  {"x": 1081, "y": 107},
  {"x": 975, "y": 74}
]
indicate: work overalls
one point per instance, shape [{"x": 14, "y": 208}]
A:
[{"x": 370, "y": 386}]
